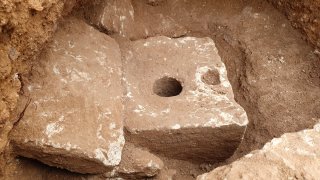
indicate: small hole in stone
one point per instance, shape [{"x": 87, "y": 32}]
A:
[
  {"x": 211, "y": 77},
  {"x": 167, "y": 87}
]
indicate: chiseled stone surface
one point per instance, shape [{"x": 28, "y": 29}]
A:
[
  {"x": 139, "y": 163},
  {"x": 292, "y": 156},
  {"x": 136, "y": 163},
  {"x": 120, "y": 17},
  {"x": 74, "y": 120},
  {"x": 114, "y": 16},
  {"x": 203, "y": 122}
]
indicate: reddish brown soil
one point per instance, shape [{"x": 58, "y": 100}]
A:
[
  {"x": 304, "y": 15},
  {"x": 274, "y": 72},
  {"x": 25, "y": 27}
]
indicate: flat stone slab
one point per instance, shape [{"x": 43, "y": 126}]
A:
[
  {"x": 292, "y": 156},
  {"x": 179, "y": 101},
  {"x": 74, "y": 120}
]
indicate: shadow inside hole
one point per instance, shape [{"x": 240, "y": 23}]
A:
[{"x": 167, "y": 87}]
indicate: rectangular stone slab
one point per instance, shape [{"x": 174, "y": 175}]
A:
[
  {"x": 74, "y": 120},
  {"x": 202, "y": 122}
]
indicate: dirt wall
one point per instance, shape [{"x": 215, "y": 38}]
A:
[
  {"x": 25, "y": 27},
  {"x": 304, "y": 15}
]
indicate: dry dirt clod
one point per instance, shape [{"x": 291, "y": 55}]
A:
[
  {"x": 5, "y": 65},
  {"x": 4, "y": 112},
  {"x": 74, "y": 120},
  {"x": 13, "y": 54}
]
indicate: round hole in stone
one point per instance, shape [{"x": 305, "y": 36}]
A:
[
  {"x": 167, "y": 87},
  {"x": 211, "y": 77}
]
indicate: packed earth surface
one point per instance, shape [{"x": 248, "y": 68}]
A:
[{"x": 159, "y": 89}]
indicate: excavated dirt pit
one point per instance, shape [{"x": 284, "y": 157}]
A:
[{"x": 273, "y": 72}]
